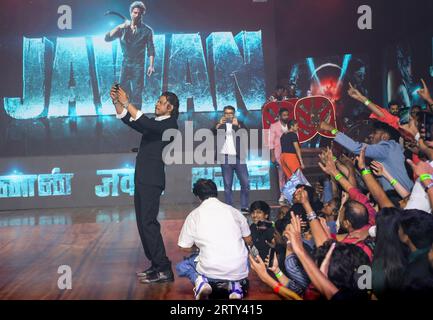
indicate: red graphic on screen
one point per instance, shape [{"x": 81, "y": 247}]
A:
[
  {"x": 270, "y": 111},
  {"x": 309, "y": 112}
]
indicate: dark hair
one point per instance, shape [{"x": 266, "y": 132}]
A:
[
  {"x": 282, "y": 110},
  {"x": 280, "y": 224},
  {"x": 418, "y": 226},
  {"x": 393, "y": 103},
  {"x": 284, "y": 211},
  {"x": 204, "y": 189},
  {"x": 137, "y": 4},
  {"x": 390, "y": 254},
  {"x": 174, "y": 101},
  {"x": 356, "y": 213},
  {"x": 291, "y": 123},
  {"x": 344, "y": 264},
  {"x": 260, "y": 205},
  {"x": 279, "y": 87},
  {"x": 381, "y": 126},
  {"x": 230, "y": 108}
]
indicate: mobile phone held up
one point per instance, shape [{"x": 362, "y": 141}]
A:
[
  {"x": 271, "y": 257},
  {"x": 253, "y": 251}
]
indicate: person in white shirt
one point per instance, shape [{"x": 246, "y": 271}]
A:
[
  {"x": 231, "y": 154},
  {"x": 220, "y": 232}
]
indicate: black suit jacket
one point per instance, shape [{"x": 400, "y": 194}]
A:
[
  {"x": 220, "y": 133},
  {"x": 149, "y": 165}
]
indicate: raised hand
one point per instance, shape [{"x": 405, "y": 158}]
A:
[
  {"x": 353, "y": 92},
  {"x": 425, "y": 93},
  {"x": 328, "y": 165},
  {"x": 348, "y": 162},
  {"x": 258, "y": 266},
  {"x": 114, "y": 94},
  {"x": 222, "y": 120},
  {"x": 294, "y": 234},
  {"x": 325, "y": 227},
  {"x": 325, "y": 126},
  {"x": 361, "y": 158},
  {"x": 275, "y": 266},
  {"x": 122, "y": 96},
  {"x": 378, "y": 168},
  {"x": 301, "y": 196},
  {"x": 324, "y": 267},
  {"x": 420, "y": 168},
  {"x": 344, "y": 198}
]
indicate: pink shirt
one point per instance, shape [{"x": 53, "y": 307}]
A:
[{"x": 275, "y": 133}]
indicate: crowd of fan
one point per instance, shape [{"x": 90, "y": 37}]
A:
[{"x": 364, "y": 231}]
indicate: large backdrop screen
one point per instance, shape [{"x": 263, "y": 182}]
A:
[{"x": 60, "y": 102}]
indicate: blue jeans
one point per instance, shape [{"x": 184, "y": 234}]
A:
[
  {"x": 187, "y": 268},
  {"x": 228, "y": 169}
]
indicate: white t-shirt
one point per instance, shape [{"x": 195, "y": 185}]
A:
[
  {"x": 419, "y": 198},
  {"x": 229, "y": 145},
  {"x": 217, "y": 230}
]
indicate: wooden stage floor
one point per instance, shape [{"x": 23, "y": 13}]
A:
[{"x": 102, "y": 247}]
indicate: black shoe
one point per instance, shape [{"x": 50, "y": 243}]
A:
[
  {"x": 147, "y": 273},
  {"x": 159, "y": 277},
  {"x": 245, "y": 211}
]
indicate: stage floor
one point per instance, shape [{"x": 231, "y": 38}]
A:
[{"x": 102, "y": 247}]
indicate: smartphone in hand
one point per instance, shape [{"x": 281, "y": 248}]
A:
[
  {"x": 271, "y": 257},
  {"x": 253, "y": 251}
]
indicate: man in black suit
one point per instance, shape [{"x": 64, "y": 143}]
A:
[
  {"x": 231, "y": 153},
  {"x": 150, "y": 175}
]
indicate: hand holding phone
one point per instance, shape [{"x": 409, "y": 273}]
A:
[
  {"x": 271, "y": 258},
  {"x": 253, "y": 252}
]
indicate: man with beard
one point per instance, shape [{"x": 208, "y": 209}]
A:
[{"x": 275, "y": 132}]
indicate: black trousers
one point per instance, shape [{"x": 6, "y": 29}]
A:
[{"x": 146, "y": 201}]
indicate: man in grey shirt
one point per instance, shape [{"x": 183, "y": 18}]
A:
[{"x": 383, "y": 147}]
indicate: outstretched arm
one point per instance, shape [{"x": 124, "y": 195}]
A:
[
  {"x": 425, "y": 94},
  {"x": 373, "y": 185},
  {"x": 319, "y": 234},
  {"x": 375, "y": 151},
  {"x": 259, "y": 267},
  {"x": 380, "y": 170},
  {"x": 355, "y": 94},
  {"x": 122, "y": 113},
  {"x": 318, "y": 278}
]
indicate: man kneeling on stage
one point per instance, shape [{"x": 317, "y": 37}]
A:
[{"x": 220, "y": 232}]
